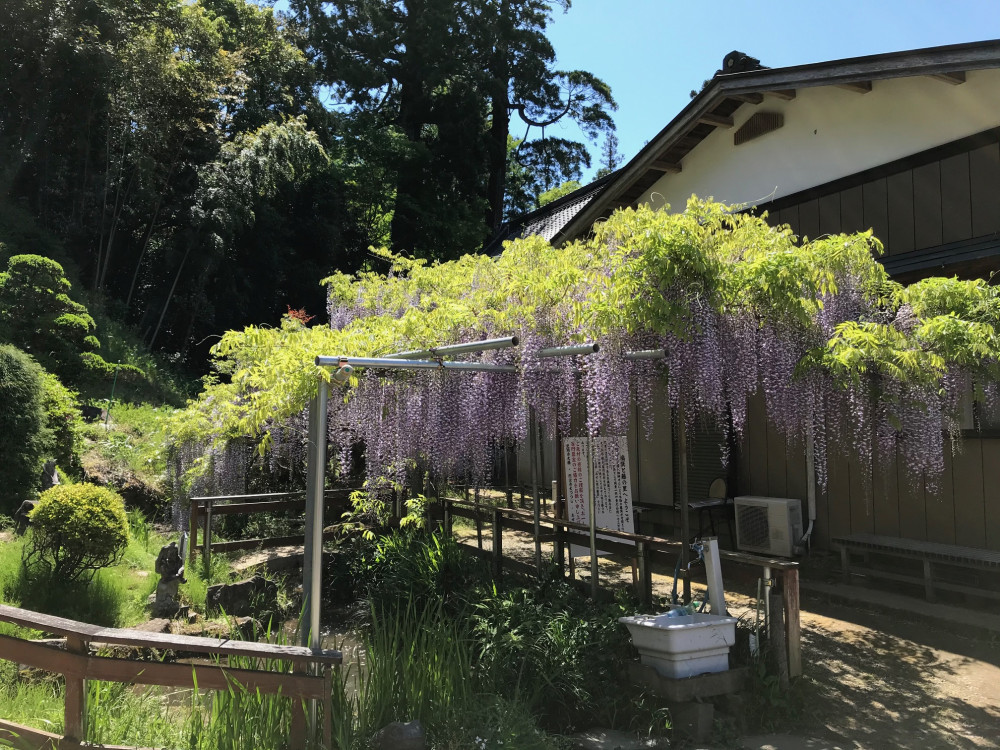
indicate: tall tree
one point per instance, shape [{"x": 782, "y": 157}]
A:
[
  {"x": 447, "y": 75},
  {"x": 519, "y": 73}
]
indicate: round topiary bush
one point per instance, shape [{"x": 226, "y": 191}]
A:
[
  {"x": 24, "y": 439},
  {"x": 77, "y": 529}
]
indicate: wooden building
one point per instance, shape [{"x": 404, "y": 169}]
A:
[{"x": 905, "y": 143}]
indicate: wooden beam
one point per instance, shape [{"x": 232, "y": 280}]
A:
[
  {"x": 665, "y": 166},
  {"x": 29, "y": 738},
  {"x": 953, "y": 78},
  {"x": 751, "y": 98},
  {"x": 717, "y": 120},
  {"x": 858, "y": 87},
  {"x": 785, "y": 94},
  {"x": 790, "y": 599}
]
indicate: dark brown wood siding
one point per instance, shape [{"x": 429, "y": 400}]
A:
[
  {"x": 949, "y": 194},
  {"x": 962, "y": 508}
]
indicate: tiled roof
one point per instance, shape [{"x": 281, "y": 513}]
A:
[{"x": 548, "y": 221}]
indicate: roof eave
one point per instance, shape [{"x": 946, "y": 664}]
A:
[{"x": 921, "y": 62}]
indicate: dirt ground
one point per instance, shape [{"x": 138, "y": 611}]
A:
[{"x": 871, "y": 679}]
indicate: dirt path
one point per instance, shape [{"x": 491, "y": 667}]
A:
[{"x": 871, "y": 680}]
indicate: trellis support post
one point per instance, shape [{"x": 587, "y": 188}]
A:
[
  {"x": 682, "y": 488},
  {"x": 315, "y": 480}
]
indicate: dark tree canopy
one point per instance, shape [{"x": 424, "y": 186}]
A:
[
  {"x": 446, "y": 78},
  {"x": 202, "y": 162}
]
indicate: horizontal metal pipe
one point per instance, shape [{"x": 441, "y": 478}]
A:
[
  {"x": 569, "y": 351},
  {"x": 451, "y": 349},
  {"x": 410, "y": 364},
  {"x": 647, "y": 354}
]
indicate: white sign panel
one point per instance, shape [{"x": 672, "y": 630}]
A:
[{"x": 612, "y": 484}]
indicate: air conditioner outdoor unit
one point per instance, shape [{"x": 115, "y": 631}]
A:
[{"x": 768, "y": 525}]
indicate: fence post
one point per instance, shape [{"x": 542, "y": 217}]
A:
[
  {"x": 193, "y": 525},
  {"x": 446, "y": 505},
  {"x": 479, "y": 522},
  {"x": 207, "y": 550},
  {"x": 497, "y": 544},
  {"x": 645, "y": 577},
  {"x": 328, "y": 709},
  {"x": 790, "y": 599},
  {"x": 297, "y": 732},
  {"x": 74, "y": 719}
]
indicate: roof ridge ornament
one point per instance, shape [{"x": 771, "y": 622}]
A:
[{"x": 739, "y": 62}]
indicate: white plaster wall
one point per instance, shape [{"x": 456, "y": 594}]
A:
[{"x": 830, "y": 133}]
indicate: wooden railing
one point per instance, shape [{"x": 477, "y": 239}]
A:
[
  {"x": 204, "y": 509},
  {"x": 309, "y": 680},
  {"x": 645, "y": 550}
]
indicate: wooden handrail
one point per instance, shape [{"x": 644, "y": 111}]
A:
[
  {"x": 654, "y": 542},
  {"x": 271, "y": 495},
  {"x": 164, "y": 641},
  {"x": 77, "y": 665},
  {"x": 204, "y": 508}
]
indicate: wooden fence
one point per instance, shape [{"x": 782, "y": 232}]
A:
[
  {"x": 309, "y": 680},
  {"x": 204, "y": 509},
  {"x": 645, "y": 550}
]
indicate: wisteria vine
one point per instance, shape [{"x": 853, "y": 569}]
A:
[{"x": 836, "y": 351}]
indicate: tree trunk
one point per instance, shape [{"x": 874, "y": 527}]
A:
[
  {"x": 500, "y": 126},
  {"x": 411, "y": 120}
]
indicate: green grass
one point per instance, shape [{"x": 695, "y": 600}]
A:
[
  {"x": 132, "y": 444},
  {"x": 116, "y": 597}
]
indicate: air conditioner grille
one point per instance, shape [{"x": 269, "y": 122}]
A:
[{"x": 754, "y": 530}]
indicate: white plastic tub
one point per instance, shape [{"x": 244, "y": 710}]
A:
[{"x": 683, "y": 646}]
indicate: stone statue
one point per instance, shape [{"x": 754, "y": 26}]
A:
[
  {"x": 170, "y": 568},
  {"x": 49, "y": 477}
]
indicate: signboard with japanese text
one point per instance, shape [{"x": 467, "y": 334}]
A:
[{"x": 612, "y": 484}]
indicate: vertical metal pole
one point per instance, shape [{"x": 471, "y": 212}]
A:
[
  {"x": 713, "y": 573},
  {"x": 107, "y": 414},
  {"x": 309, "y": 634},
  {"x": 768, "y": 583},
  {"x": 682, "y": 484},
  {"x": 532, "y": 441},
  {"x": 592, "y": 509}
]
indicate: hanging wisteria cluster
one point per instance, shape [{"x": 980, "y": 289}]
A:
[{"x": 837, "y": 352}]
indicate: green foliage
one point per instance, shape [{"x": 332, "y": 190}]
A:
[
  {"x": 62, "y": 417},
  {"x": 558, "y": 192},
  {"x": 426, "y": 567},
  {"x": 37, "y": 314},
  {"x": 131, "y": 450},
  {"x": 76, "y": 530},
  {"x": 116, "y": 597},
  {"x": 419, "y": 664},
  {"x": 557, "y": 652},
  {"x": 24, "y": 438}
]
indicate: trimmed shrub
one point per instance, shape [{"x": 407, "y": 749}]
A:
[
  {"x": 24, "y": 438},
  {"x": 77, "y": 529}
]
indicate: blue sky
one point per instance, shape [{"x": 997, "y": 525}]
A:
[{"x": 653, "y": 52}]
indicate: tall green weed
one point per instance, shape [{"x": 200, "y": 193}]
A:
[{"x": 419, "y": 665}]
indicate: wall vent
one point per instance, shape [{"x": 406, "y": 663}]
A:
[{"x": 760, "y": 123}]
